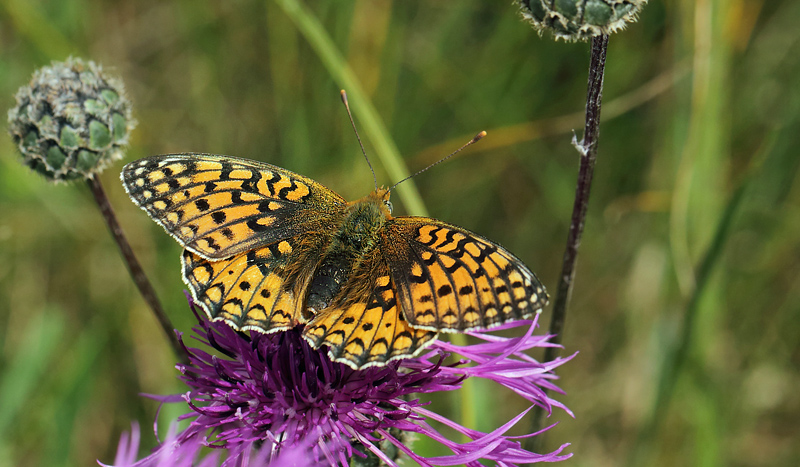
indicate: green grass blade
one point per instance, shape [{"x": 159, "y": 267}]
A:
[
  {"x": 36, "y": 27},
  {"x": 362, "y": 107},
  {"x": 26, "y": 368}
]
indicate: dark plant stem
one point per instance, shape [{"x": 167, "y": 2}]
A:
[
  {"x": 137, "y": 273},
  {"x": 588, "y": 151}
]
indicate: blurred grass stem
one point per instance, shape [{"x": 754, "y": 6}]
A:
[
  {"x": 374, "y": 127},
  {"x": 505, "y": 136},
  {"x": 588, "y": 156},
  {"x": 135, "y": 269}
]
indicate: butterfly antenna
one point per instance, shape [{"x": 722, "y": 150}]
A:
[
  {"x": 350, "y": 115},
  {"x": 471, "y": 142}
]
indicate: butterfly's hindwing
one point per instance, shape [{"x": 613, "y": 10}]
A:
[
  {"x": 451, "y": 279},
  {"x": 248, "y": 291},
  {"x": 364, "y": 326},
  {"x": 219, "y": 206}
]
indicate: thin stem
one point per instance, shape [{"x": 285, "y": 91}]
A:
[
  {"x": 588, "y": 150},
  {"x": 137, "y": 273}
]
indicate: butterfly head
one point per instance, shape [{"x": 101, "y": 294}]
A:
[
  {"x": 378, "y": 202},
  {"x": 383, "y": 195}
]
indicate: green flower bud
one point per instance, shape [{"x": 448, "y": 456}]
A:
[
  {"x": 573, "y": 20},
  {"x": 71, "y": 121}
]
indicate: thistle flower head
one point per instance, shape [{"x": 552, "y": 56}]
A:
[
  {"x": 274, "y": 394},
  {"x": 71, "y": 120},
  {"x": 573, "y": 20},
  {"x": 192, "y": 452}
]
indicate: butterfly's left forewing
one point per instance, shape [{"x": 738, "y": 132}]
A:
[
  {"x": 450, "y": 279},
  {"x": 217, "y": 206}
]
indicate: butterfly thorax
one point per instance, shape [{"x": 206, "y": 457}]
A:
[{"x": 354, "y": 240}]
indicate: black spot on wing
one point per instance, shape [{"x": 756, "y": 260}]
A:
[
  {"x": 255, "y": 226},
  {"x": 211, "y": 243},
  {"x": 236, "y": 197},
  {"x": 251, "y": 185},
  {"x": 418, "y": 279},
  {"x": 218, "y": 217},
  {"x": 202, "y": 205},
  {"x": 430, "y": 261},
  {"x": 264, "y": 206}
]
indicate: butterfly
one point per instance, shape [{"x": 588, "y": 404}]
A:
[{"x": 266, "y": 250}]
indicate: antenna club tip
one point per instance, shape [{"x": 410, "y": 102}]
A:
[
  {"x": 478, "y": 136},
  {"x": 343, "y": 94}
]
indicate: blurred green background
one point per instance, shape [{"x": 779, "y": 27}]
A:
[{"x": 700, "y": 120}]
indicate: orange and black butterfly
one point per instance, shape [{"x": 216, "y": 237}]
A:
[{"x": 267, "y": 250}]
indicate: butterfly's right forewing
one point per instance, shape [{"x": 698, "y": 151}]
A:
[
  {"x": 217, "y": 206},
  {"x": 450, "y": 279}
]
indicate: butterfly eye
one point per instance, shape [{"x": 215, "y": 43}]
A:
[{"x": 388, "y": 205}]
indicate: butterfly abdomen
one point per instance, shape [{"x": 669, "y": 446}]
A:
[{"x": 327, "y": 281}]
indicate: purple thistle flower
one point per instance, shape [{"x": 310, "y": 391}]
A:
[
  {"x": 273, "y": 395},
  {"x": 176, "y": 452}
]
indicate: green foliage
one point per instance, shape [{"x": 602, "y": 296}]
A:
[{"x": 697, "y": 160}]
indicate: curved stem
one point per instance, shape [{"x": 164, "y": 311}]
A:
[{"x": 137, "y": 273}]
